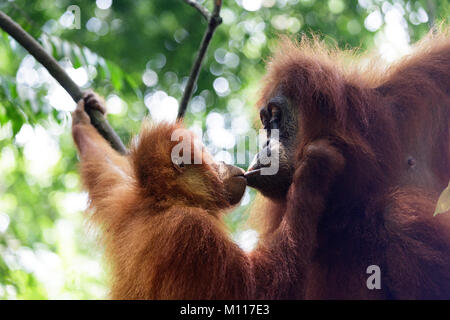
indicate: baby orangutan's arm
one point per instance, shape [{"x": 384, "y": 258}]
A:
[{"x": 101, "y": 166}]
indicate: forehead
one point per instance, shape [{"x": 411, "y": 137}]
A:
[
  {"x": 272, "y": 90},
  {"x": 275, "y": 96},
  {"x": 186, "y": 141}
]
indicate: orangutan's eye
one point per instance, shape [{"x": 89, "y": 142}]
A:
[{"x": 264, "y": 116}]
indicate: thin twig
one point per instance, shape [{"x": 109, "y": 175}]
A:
[
  {"x": 204, "y": 12},
  {"x": 213, "y": 22},
  {"x": 36, "y": 50}
]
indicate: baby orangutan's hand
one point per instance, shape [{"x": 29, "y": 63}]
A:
[{"x": 90, "y": 101}]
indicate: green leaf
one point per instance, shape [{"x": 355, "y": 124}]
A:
[
  {"x": 443, "y": 204},
  {"x": 116, "y": 75},
  {"x": 103, "y": 69},
  {"x": 131, "y": 82},
  {"x": 56, "y": 46},
  {"x": 13, "y": 90},
  {"x": 77, "y": 57}
]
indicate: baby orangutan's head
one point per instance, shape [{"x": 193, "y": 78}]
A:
[{"x": 172, "y": 166}]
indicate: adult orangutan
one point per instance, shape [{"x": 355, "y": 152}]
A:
[{"x": 392, "y": 127}]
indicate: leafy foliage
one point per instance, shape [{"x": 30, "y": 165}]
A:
[{"x": 443, "y": 204}]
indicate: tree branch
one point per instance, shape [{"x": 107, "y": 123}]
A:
[
  {"x": 214, "y": 20},
  {"x": 36, "y": 50},
  {"x": 204, "y": 12}
]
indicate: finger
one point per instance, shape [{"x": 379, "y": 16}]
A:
[
  {"x": 90, "y": 98},
  {"x": 96, "y": 105},
  {"x": 79, "y": 116},
  {"x": 88, "y": 93},
  {"x": 94, "y": 101},
  {"x": 80, "y": 105}
]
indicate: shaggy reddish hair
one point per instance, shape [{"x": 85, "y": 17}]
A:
[
  {"x": 163, "y": 234},
  {"x": 392, "y": 126}
]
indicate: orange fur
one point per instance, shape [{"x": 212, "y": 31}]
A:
[
  {"x": 164, "y": 237},
  {"x": 381, "y": 210}
]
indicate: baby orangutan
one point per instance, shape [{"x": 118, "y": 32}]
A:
[{"x": 161, "y": 224}]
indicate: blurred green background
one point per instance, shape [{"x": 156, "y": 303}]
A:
[{"x": 138, "y": 54}]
